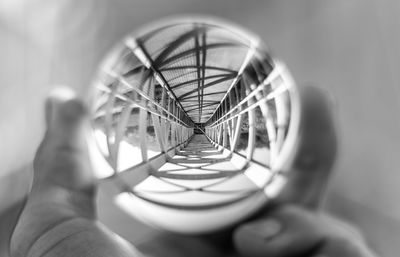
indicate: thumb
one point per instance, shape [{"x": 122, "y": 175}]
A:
[
  {"x": 287, "y": 231},
  {"x": 62, "y": 158},
  {"x": 291, "y": 231},
  {"x": 63, "y": 183},
  {"x": 316, "y": 150}
]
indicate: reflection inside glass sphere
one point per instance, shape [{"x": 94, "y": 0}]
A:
[{"x": 196, "y": 122}]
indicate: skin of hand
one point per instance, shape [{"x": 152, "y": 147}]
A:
[{"x": 59, "y": 218}]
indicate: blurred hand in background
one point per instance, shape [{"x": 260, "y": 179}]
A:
[{"x": 59, "y": 218}]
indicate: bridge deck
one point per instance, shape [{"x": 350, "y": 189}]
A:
[{"x": 198, "y": 175}]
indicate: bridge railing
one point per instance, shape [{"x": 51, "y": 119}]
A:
[
  {"x": 135, "y": 116},
  {"x": 254, "y": 119}
]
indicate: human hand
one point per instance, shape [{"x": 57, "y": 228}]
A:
[
  {"x": 295, "y": 227},
  {"x": 292, "y": 226},
  {"x": 59, "y": 218}
]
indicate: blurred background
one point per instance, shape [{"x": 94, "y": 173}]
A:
[{"x": 349, "y": 47}]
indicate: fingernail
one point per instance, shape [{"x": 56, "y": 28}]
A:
[
  {"x": 55, "y": 98},
  {"x": 62, "y": 93},
  {"x": 62, "y": 105},
  {"x": 266, "y": 229}
]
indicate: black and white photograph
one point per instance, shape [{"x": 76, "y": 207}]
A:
[{"x": 177, "y": 128}]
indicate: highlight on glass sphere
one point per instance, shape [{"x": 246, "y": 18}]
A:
[{"x": 195, "y": 122}]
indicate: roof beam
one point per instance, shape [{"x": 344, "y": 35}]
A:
[
  {"x": 195, "y": 67},
  {"x": 249, "y": 56},
  {"x": 194, "y": 101},
  {"x": 206, "y": 105},
  {"x": 192, "y": 50},
  {"x": 176, "y": 43},
  {"x": 228, "y": 77},
  {"x": 139, "y": 46},
  {"x": 199, "y": 79},
  {"x": 214, "y": 93},
  {"x": 192, "y": 105},
  {"x": 203, "y": 63}
]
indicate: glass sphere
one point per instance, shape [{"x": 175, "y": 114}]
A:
[{"x": 195, "y": 122}]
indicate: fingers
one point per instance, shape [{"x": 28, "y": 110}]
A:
[
  {"x": 316, "y": 152},
  {"x": 63, "y": 186},
  {"x": 287, "y": 231},
  {"x": 62, "y": 158},
  {"x": 291, "y": 231}
]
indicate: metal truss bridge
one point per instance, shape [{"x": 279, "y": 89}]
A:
[{"x": 194, "y": 121}]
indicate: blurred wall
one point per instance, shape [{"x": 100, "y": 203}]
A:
[{"x": 350, "y": 47}]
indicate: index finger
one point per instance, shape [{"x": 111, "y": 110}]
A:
[{"x": 316, "y": 151}]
